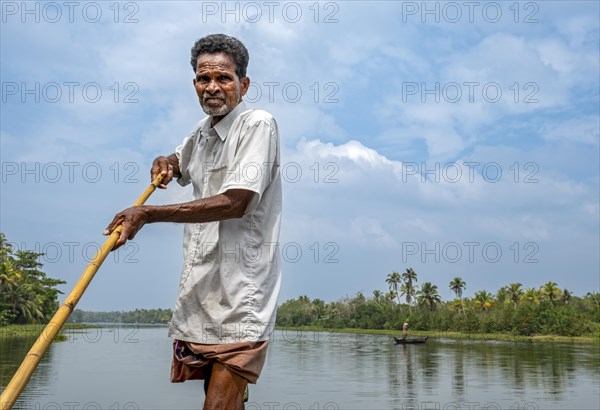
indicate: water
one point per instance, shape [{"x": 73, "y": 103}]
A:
[{"x": 128, "y": 368}]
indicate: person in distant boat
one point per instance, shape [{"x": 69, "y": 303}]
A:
[
  {"x": 404, "y": 330},
  {"x": 227, "y": 301}
]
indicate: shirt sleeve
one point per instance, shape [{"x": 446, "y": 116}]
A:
[{"x": 256, "y": 161}]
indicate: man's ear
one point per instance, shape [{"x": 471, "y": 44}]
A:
[{"x": 245, "y": 84}]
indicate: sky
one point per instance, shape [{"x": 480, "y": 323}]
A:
[{"x": 454, "y": 138}]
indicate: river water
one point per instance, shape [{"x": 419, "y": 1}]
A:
[{"x": 122, "y": 368}]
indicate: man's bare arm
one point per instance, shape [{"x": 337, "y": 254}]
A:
[{"x": 231, "y": 204}]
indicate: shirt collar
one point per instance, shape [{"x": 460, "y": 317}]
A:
[{"x": 223, "y": 126}]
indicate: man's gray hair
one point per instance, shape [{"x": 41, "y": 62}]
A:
[{"x": 221, "y": 43}]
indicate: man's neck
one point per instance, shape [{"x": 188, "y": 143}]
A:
[{"x": 214, "y": 120}]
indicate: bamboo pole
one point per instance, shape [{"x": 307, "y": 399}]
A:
[{"x": 16, "y": 385}]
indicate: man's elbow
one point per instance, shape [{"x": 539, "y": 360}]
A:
[
  {"x": 239, "y": 200},
  {"x": 238, "y": 210}
]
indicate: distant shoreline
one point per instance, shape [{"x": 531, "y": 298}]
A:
[
  {"x": 437, "y": 334},
  {"x": 31, "y": 330}
]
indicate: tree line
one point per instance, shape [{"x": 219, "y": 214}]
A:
[
  {"x": 512, "y": 308},
  {"x": 134, "y": 316},
  {"x": 28, "y": 295}
]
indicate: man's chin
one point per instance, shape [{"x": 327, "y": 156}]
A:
[{"x": 216, "y": 112}]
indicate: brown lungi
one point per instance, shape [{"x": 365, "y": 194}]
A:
[{"x": 190, "y": 360}]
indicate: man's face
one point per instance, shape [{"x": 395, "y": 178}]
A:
[{"x": 218, "y": 87}]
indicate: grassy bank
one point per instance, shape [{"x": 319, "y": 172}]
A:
[
  {"x": 34, "y": 330},
  {"x": 433, "y": 334}
]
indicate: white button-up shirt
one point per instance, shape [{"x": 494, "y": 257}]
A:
[{"x": 231, "y": 275}]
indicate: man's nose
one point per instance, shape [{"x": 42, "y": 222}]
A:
[{"x": 212, "y": 87}]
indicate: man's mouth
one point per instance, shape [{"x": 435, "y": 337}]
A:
[{"x": 213, "y": 99}]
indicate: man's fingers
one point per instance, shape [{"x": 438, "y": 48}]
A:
[
  {"x": 154, "y": 173},
  {"x": 167, "y": 176},
  {"x": 123, "y": 236},
  {"x": 131, "y": 221},
  {"x": 117, "y": 220},
  {"x": 132, "y": 234},
  {"x": 162, "y": 166},
  {"x": 127, "y": 234}
]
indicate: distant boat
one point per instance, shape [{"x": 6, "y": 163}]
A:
[{"x": 410, "y": 340}]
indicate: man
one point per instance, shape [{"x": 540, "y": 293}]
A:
[
  {"x": 404, "y": 330},
  {"x": 230, "y": 281}
]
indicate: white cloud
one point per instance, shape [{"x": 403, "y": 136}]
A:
[
  {"x": 585, "y": 129},
  {"x": 427, "y": 227},
  {"x": 368, "y": 231},
  {"x": 526, "y": 227}
]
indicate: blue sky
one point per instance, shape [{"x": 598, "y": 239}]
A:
[{"x": 459, "y": 140}]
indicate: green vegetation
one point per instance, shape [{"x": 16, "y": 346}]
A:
[
  {"x": 34, "y": 330},
  {"x": 27, "y": 295},
  {"x": 511, "y": 311},
  {"x": 136, "y": 316}
]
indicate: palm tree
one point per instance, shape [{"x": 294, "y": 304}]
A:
[
  {"x": 25, "y": 300},
  {"x": 457, "y": 285},
  {"x": 551, "y": 290},
  {"x": 377, "y": 295},
  {"x": 409, "y": 291},
  {"x": 319, "y": 307},
  {"x": 566, "y": 297},
  {"x": 428, "y": 295},
  {"x": 484, "y": 299},
  {"x": 410, "y": 278},
  {"x": 393, "y": 281},
  {"x": 459, "y": 305},
  {"x": 531, "y": 295},
  {"x": 27, "y": 295},
  {"x": 391, "y": 295},
  {"x": 514, "y": 292},
  {"x": 303, "y": 299},
  {"x": 8, "y": 273},
  {"x": 502, "y": 295}
]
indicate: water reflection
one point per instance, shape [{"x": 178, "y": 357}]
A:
[
  {"x": 323, "y": 370},
  {"x": 527, "y": 365},
  {"x": 419, "y": 373},
  {"x": 458, "y": 381},
  {"x": 13, "y": 350}
]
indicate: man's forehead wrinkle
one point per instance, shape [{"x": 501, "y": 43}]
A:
[
  {"x": 214, "y": 66},
  {"x": 201, "y": 71},
  {"x": 219, "y": 58}
]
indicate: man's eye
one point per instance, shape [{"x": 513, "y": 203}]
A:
[{"x": 202, "y": 78}]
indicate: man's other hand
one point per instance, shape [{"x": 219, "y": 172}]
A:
[
  {"x": 131, "y": 219},
  {"x": 162, "y": 165}
]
